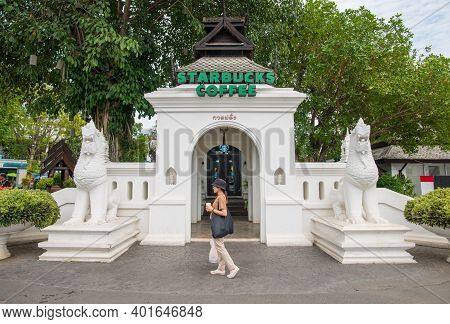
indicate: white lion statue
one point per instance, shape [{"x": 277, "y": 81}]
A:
[
  {"x": 90, "y": 179},
  {"x": 355, "y": 201}
]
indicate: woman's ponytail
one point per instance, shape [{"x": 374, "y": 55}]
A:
[{"x": 226, "y": 194}]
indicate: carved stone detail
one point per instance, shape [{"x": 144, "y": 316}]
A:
[
  {"x": 355, "y": 201},
  {"x": 90, "y": 179}
]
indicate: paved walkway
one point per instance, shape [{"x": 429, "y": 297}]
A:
[{"x": 147, "y": 274}]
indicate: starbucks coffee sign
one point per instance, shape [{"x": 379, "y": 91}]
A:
[{"x": 220, "y": 84}]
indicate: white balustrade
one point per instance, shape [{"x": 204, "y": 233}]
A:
[
  {"x": 316, "y": 181},
  {"x": 136, "y": 185},
  {"x": 134, "y": 181}
]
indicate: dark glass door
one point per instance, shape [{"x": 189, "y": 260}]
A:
[{"x": 224, "y": 161}]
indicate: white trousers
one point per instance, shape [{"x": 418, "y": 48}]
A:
[{"x": 224, "y": 257}]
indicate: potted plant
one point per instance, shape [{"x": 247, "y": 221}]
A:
[
  {"x": 432, "y": 211},
  {"x": 21, "y": 209}
]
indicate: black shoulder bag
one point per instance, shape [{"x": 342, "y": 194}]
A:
[{"x": 221, "y": 226}]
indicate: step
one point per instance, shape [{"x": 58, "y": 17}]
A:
[
  {"x": 89, "y": 243},
  {"x": 361, "y": 243}
]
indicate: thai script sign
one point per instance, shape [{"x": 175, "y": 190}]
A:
[{"x": 224, "y": 117}]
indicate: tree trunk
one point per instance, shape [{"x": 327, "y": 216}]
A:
[
  {"x": 32, "y": 152},
  {"x": 101, "y": 120}
]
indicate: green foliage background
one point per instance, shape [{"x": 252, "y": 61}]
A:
[
  {"x": 110, "y": 52},
  {"x": 26, "y": 132},
  {"x": 397, "y": 183}
]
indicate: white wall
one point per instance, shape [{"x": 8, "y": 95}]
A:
[
  {"x": 391, "y": 203},
  {"x": 267, "y": 119}
]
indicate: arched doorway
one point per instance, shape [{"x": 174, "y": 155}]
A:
[
  {"x": 227, "y": 153},
  {"x": 224, "y": 162}
]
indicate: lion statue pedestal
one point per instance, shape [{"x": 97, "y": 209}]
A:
[
  {"x": 94, "y": 233},
  {"x": 361, "y": 243},
  {"x": 357, "y": 233}
]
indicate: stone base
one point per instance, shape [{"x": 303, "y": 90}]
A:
[
  {"x": 4, "y": 252},
  {"x": 362, "y": 243},
  {"x": 89, "y": 243}
]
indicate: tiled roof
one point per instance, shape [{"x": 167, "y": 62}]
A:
[
  {"x": 224, "y": 64},
  {"x": 393, "y": 152}
]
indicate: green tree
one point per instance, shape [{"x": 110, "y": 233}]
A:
[
  {"x": 137, "y": 147},
  {"x": 27, "y": 134},
  {"x": 102, "y": 56},
  {"x": 352, "y": 64},
  {"x": 102, "y": 66},
  {"x": 152, "y": 144}
]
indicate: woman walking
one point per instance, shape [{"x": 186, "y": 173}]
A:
[{"x": 219, "y": 209}]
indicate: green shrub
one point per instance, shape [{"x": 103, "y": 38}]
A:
[
  {"x": 69, "y": 183},
  {"x": 398, "y": 183},
  {"x": 18, "y": 206},
  {"x": 57, "y": 179},
  {"x": 432, "y": 209},
  {"x": 43, "y": 183}
]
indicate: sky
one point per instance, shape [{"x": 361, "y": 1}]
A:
[{"x": 429, "y": 21}]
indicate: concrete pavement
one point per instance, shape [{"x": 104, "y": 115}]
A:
[{"x": 149, "y": 274}]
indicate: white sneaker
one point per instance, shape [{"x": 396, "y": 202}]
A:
[
  {"x": 217, "y": 271},
  {"x": 233, "y": 273}
]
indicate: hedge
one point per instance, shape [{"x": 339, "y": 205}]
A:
[
  {"x": 18, "y": 206},
  {"x": 432, "y": 209}
]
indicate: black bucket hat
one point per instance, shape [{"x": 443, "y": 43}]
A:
[{"x": 219, "y": 183}]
